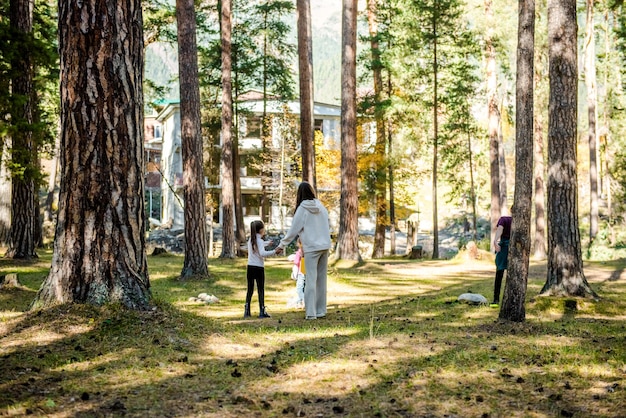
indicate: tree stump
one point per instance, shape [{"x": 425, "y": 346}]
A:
[
  {"x": 416, "y": 252},
  {"x": 10, "y": 280}
]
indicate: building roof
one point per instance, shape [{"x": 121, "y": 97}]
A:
[{"x": 252, "y": 101}]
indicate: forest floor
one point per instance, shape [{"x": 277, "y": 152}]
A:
[{"x": 395, "y": 343}]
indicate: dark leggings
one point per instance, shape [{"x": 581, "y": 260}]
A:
[
  {"x": 497, "y": 286},
  {"x": 257, "y": 274}
]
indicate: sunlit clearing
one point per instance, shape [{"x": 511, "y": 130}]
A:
[
  {"x": 321, "y": 378},
  {"x": 39, "y": 336},
  {"x": 248, "y": 346}
]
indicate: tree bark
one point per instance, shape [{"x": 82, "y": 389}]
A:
[
  {"x": 590, "y": 83},
  {"x": 540, "y": 200},
  {"x": 380, "y": 187},
  {"x": 472, "y": 187},
  {"x": 195, "y": 264},
  {"x": 240, "y": 228},
  {"x": 392, "y": 203},
  {"x": 5, "y": 194},
  {"x": 348, "y": 237},
  {"x": 435, "y": 141},
  {"x": 305, "y": 63},
  {"x": 513, "y": 308},
  {"x": 565, "y": 267},
  {"x": 99, "y": 249},
  {"x": 52, "y": 182},
  {"x": 493, "y": 117},
  {"x": 228, "y": 235},
  {"x": 24, "y": 212}
]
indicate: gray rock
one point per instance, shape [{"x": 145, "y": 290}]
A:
[{"x": 473, "y": 299}]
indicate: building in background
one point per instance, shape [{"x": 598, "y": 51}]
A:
[{"x": 280, "y": 159}]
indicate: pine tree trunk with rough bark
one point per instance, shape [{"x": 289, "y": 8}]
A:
[
  {"x": 435, "y": 142},
  {"x": 493, "y": 122},
  {"x": 590, "y": 83},
  {"x": 540, "y": 201},
  {"x": 99, "y": 249},
  {"x": 24, "y": 212},
  {"x": 348, "y": 237},
  {"x": 5, "y": 195},
  {"x": 195, "y": 264},
  {"x": 380, "y": 188},
  {"x": 513, "y": 308},
  {"x": 228, "y": 201},
  {"x": 305, "y": 64},
  {"x": 565, "y": 267}
]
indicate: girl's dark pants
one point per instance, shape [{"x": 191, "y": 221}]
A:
[
  {"x": 256, "y": 274},
  {"x": 501, "y": 265}
]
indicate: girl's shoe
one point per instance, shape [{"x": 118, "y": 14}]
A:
[
  {"x": 263, "y": 313},
  {"x": 246, "y": 310}
]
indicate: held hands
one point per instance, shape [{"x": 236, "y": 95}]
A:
[{"x": 279, "y": 251}]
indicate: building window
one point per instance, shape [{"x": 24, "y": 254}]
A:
[
  {"x": 253, "y": 127},
  {"x": 251, "y": 204}
]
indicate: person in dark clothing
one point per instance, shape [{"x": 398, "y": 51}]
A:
[{"x": 501, "y": 246}]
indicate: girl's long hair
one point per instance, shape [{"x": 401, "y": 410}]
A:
[
  {"x": 305, "y": 192},
  {"x": 255, "y": 228}
]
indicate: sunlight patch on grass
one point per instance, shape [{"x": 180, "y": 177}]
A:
[
  {"x": 39, "y": 335},
  {"x": 6, "y": 316},
  {"x": 321, "y": 378}
]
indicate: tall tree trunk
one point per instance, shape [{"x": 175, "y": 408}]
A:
[
  {"x": 348, "y": 237},
  {"x": 52, "y": 181},
  {"x": 228, "y": 210},
  {"x": 504, "y": 207},
  {"x": 380, "y": 187},
  {"x": 240, "y": 228},
  {"x": 24, "y": 213},
  {"x": 541, "y": 98},
  {"x": 5, "y": 194},
  {"x": 265, "y": 169},
  {"x": 565, "y": 268},
  {"x": 435, "y": 141},
  {"x": 540, "y": 201},
  {"x": 5, "y": 178},
  {"x": 493, "y": 118},
  {"x": 590, "y": 83},
  {"x": 238, "y": 224},
  {"x": 519, "y": 254},
  {"x": 472, "y": 187},
  {"x": 305, "y": 64},
  {"x": 392, "y": 204},
  {"x": 196, "y": 251},
  {"x": 99, "y": 248}
]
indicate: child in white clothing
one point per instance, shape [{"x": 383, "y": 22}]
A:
[{"x": 298, "y": 273}]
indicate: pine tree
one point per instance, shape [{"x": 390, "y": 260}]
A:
[
  {"x": 348, "y": 237},
  {"x": 99, "y": 249},
  {"x": 196, "y": 252},
  {"x": 565, "y": 267},
  {"x": 519, "y": 253}
]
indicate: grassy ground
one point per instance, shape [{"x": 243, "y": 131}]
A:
[{"x": 395, "y": 343}]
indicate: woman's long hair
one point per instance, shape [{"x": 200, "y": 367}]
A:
[
  {"x": 255, "y": 228},
  {"x": 305, "y": 192}
]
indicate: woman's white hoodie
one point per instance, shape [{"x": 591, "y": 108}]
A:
[{"x": 310, "y": 222}]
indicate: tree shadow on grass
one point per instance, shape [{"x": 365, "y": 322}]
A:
[{"x": 408, "y": 355}]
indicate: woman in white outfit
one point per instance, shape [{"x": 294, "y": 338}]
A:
[{"x": 310, "y": 222}]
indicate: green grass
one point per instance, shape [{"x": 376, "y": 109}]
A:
[{"x": 395, "y": 343}]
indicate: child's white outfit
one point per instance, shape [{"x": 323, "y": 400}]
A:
[{"x": 298, "y": 273}]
